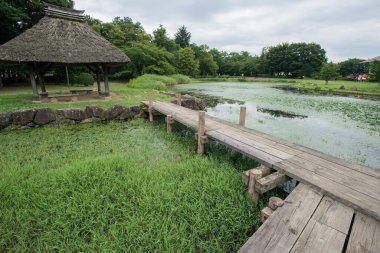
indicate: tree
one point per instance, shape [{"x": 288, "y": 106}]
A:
[
  {"x": 19, "y": 15},
  {"x": 350, "y": 67},
  {"x": 297, "y": 59},
  {"x": 186, "y": 62},
  {"x": 329, "y": 71},
  {"x": 374, "y": 71},
  {"x": 161, "y": 39},
  {"x": 182, "y": 37}
]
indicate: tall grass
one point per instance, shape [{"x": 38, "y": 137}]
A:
[
  {"x": 151, "y": 81},
  {"x": 124, "y": 187}
]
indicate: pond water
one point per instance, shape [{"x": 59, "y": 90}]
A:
[{"x": 344, "y": 127}]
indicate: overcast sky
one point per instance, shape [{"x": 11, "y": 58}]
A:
[{"x": 344, "y": 28}]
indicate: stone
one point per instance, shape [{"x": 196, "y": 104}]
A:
[
  {"x": 23, "y": 117},
  {"x": 72, "y": 114},
  {"x": 130, "y": 112},
  {"x": 189, "y": 103},
  {"x": 5, "y": 119},
  {"x": 44, "y": 116},
  {"x": 275, "y": 202},
  {"x": 65, "y": 121},
  {"x": 94, "y": 111},
  {"x": 113, "y": 112},
  {"x": 341, "y": 87},
  {"x": 265, "y": 213},
  {"x": 354, "y": 88}
]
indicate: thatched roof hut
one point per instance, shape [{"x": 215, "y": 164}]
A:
[{"x": 62, "y": 37}]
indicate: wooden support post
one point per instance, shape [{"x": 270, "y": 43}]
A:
[
  {"x": 150, "y": 109},
  {"x": 179, "y": 99},
  {"x": 169, "y": 123},
  {"x": 270, "y": 182},
  {"x": 265, "y": 213},
  {"x": 201, "y": 132},
  {"x": 106, "y": 83},
  {"x": 254, "y": 175},
  {"x": 33, "y": 82},
  {"x": 42, "y": 83},
  {"x": 264, "y": 170},
  {"x": 243, "y": 111},
  {"x": 98, "y": 79}
]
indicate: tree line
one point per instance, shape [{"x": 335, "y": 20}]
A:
[{"x": 158, "y": 53}]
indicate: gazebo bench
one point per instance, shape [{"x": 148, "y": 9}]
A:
[{"x": 89, "y": 91}]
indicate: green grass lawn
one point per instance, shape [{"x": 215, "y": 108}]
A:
[
  {"x": 120, "y": 187},
  {"x": 14, "y": 98}
]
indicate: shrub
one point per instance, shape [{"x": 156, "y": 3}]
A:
[
  {"x": 84, "y": 78},
  {"x": 150, "y": 81},
  {"x": 181, "y": 79}
]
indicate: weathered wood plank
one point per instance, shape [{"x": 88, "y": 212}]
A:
[
  {"x": 270, "y": 182},
  {"x": 284, "y": 226},
  {"x": 340, "y": 192},
  {"x": 327, "y": 229},
  {"x": 365, "y": 235},
  {"x": 264, "y": 172}
]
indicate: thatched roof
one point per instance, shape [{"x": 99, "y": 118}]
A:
[
  {"x": 372, "y": 60},
  {"x": 61, "y": 37}
]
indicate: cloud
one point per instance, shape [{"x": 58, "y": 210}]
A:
[{"x": 345, "y": 28}]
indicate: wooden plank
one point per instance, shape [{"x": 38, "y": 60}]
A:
[
  {"x": 284, "y": 226},
  {"x": 341, "y": 175},
  {"x": 256, "y": 154},
  {"x": 201, "y": 132},
  {"x": 298, "y": 147},
  {"x": 327, "y": 229},
  {"x": 342, "y": 193},
  {"x": 263, "y": 169},
  {"x": 243, "y": 111},
  {"x": 270, "y": 182},
  {"x": 365, "y": 235}
]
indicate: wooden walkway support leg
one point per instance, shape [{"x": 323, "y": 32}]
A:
[
  {"x": 179, "y": 99},
  {"x": 254, "y": 175},
  {"x": 106, "y": 82},
  {"x": 169, "y": 123},
  {"x": 150, "y": 109},
  {"x": 33, "y": 82},
  {"x": 243, "y": 111},
  {"x": 201, "y": 132}
]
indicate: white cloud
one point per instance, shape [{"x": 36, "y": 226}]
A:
[{"x": 345, "y": 28}]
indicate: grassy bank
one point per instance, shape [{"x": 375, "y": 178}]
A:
[
  {"x": 312, "y": 85},
  {"x": 14, "y": 98},
  {"x": 119, "y": 187}
]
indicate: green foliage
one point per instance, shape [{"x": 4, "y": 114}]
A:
[
  {"x": 297, "y": 59},
  {"x": 83, "y": 190},
  {"x": 84, "y": 78},
  {"x": 187, "y": 64},
  {"x": 375, "y": 71},
  {"x": 329, "y": 71},
  {"x": 19, "y": 15},
  {"x": 181, "y": 79},
  {"x": 207, "y": 65},
  {"x": 161, "y": 39},
  {"x": 150, "y": 81},
  {"x": 351, "y": 67},
  {"x": 182, "y": 37}
]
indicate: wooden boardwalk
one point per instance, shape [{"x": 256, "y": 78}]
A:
[{"x": 333, "y": 195}]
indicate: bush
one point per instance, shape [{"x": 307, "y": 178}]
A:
[
  {"x": 84, "y": 78},
  {"x": 181, "y": 79},
  {"x": 150, "y": 81}
]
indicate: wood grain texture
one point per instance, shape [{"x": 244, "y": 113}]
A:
[
  {"x": 285, "y": 225},
  {"x": 365, "y": 235}
]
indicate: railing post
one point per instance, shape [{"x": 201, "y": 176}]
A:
[
  {"x": 169, "y": 122},
  {"x": 179, "y": 99},
  {"x": 201, "y": 133},
  {"x": 150, "y": 109},
  {"x": 243, "y": 111}
]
